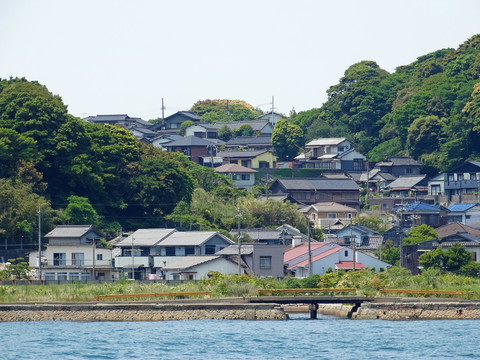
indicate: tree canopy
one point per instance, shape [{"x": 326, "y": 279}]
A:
[{"x": 287, "y": 140}]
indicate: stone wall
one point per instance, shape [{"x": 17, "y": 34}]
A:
[
  {"x": 419, "y": 310},
  {"x": 139, "y": 312}
]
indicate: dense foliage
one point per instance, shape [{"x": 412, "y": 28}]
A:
[
  {"x": 429, "y": 109},
  {"x": 221, "y": 110}
]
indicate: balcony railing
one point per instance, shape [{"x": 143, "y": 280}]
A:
[{"x": 461, "y": 184}]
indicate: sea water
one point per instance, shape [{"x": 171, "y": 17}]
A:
[{"x": 297, "y": 338}]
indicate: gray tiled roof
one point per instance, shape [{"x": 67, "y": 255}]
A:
[
  {"x": 70, "y": 231},
  {"x": 190, "y": 141},
  {"x": 318, "y": 184},
  {"x": 245, "y": 249},
  {"x": 190, "y": 261},
  {"x": 146, "y": 237},
  {"x": 240, "y": 154},
  {"x": 250, "y": 140},
  {"x": 191, "y": 238},
  {"x": 406, "y": 181},
  {"x": 256, "y": 125}
]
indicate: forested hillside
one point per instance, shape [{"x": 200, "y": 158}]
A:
[{"x": 429, "y": 109}]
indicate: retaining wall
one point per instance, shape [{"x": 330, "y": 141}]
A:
[{"x": 139, "y": 312}]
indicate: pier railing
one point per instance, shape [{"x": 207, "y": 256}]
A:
[
  {"x": 304, "y": 291},
  {"x": 165, "y": 294}
]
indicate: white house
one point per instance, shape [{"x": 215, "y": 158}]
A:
[
  {"x": 72, "y": 254},
  {"x": 329, "y": 256},
  {"x": 243, "y": 177},
  {"x": 199, "y": 267},
  {"x": 466, "y": 214}
]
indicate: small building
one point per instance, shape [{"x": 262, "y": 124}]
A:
[
  {"x": 399, "y": 166},
  {"x": 199, "y": 267},
  {"x": 172, "y": 123},
  {"x": 418, "y": 213},
  {"x": 261, "y": 142},
  {"x": 462, "y": 180},
  {"x": 255, "y": 159},
  {"x": 464, "y": 213},
  {"x": 195, "y": 148},
  {"x": 361, "y": 235},
  {"x": 344, "y": 191},
  {"x": 243, "y": 177},
  {"x": 325, "y": 214},
  {"x": 74, "y": 253},
  {"x": 202, "y": 130},
  {"x": 261, "y": 259},
  {"x": 411, "y": 185}
]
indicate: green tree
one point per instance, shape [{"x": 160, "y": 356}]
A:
[
  {"x": 184, "y": 126},
  {"x": 79, "y": 211},
  {"x": 425, "y": 135},
  {"x": 390, "y": 253},
  {"x": 225, "y": 133},
  {"x": 373, "y": 222},
  {"x": 419, "y": 234},
  {"x": 456, "y": 256},
  {"x": 287, "y": 139},
  {"x": 243, "y": 130},
  {"x": 433, "y": 258},
  {"x": 17, "y": 270}
]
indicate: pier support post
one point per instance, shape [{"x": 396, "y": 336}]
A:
[{"x": 313, "y": 310}]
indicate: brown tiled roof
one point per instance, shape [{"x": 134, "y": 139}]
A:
[{"x": 455, "y": 228}]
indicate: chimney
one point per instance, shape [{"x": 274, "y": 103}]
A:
[{"x": 296, "y": 240}]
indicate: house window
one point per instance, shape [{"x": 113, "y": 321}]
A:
[
  {"x": 245, "y": 176},
  {"x": 62, "y": 276},
  {"x": 341, "y": 149},
  {"x": 49, "y": 276},
  {"x": 245, "y": 163},
  {"x": 323, "y": 196},
  {"x": 176, "y": 277},
  {"x": 313, "y": 217},
  {"x": 209, "y": 249},
  {"x": 265, "y": 262},
  {"x": 100, "y": 257},
  {"x": 189, "y": 250},
  {"x": 357, "y": 164},
  {"x": 350, "y": 196},
  {"x": 459, "y": 177},
  {"x": 170, "y": 251},
  {"x": 332, "y": 216},
  {"x": 86, "y": 276},
  {"x": 435, "y": 189},
  {"x": 408, "y": 170},
  {"x": 455, "y": 218},
  {"x": 450, "y": 177},
  {"x": 78, "y": 259},
  {"x": 326, "y": 165},
  {"x": 59, "y": 259},
  {"x": 263, "y": 164},
  {"x": 349, "y": 215},
  {"x": 74, "y": 276},
  {"x": 473, "y": 176},
  {"x": 346, "y": 252}
]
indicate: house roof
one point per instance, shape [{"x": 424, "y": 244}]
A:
[
  {"x": 191, "y": 238},
  {"x": 462, "y": 207},
  {"x": 348, "y": 265},
  {"x": 256, "y": 125},
  {"x": 301, "y": 249},
  {"x": 233, "y": 168},
  {"x": 250, "y": 140},
  {"x": 332, "y": 206},
  {"x": 419, "y": 206},
  {"x": 206, "y": 126},
  {"x": 400, "y": 161},
  {"x": 146, "y": 237},
  {"x": 116, "y": 118},
  {"x": 189, "y": 114},
  {"x": 190, "y": 261},
  {"x": 190, "y": 141},
  {"x": 245, "y": 249},
  {"x": 320, "y": 256},
  {"x": 326, "y": 141},
  {"x": 241, "y": 154},
  {"x": 71, "y": 231},
  {"x": 317, "y": 184},
  {"x": 406, "y": 181},
  {"x": 360, "y": 228},
  {"x": 454, "y": 228}
]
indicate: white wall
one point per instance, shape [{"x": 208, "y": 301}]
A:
[{"x": 221, "y": 265}]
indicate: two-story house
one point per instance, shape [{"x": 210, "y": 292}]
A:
[
  {"x": 172, "y": 123},
  {"x": 197, "y": 149},
  {"x": 399, "y": 166},
  {"x": 243, "y": 177},
  {"x": 261, "y": 142},
  {"x": 74, "y": 253},
  {"x": 147, "y": 251},
  {"x": 332, "y": 154},
  {"x": 464, "y": 213},
  {"x": 458, "y": 182},
  {"x": 255, "y": 159},
  {"x": 326, "y": 214},
  {"x": 344, "y": 191},
  {"x": 202, "y": 130}
]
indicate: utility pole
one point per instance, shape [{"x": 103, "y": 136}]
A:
[
  {"x": 40, "y": 244},
  {"x": 163, "y": 109},
  {"x": 93, "y": 258},
  {"x": 309, "y": 249},
  {"x": 353, "y": 247},
  {"x": 133, "y": 261},
  {"x": 273, "y": 109},
  {"x": 239, "y": 252}
]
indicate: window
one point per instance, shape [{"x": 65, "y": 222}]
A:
[
  {"x": 85, "y": 276},
  {"x": 78, "y": 259},
  {"x": 245, "y": 176},
  {"x": 209, "y": 249},
  {"x": 455, "y": 218},
  {"x": 358, "y": 164},
  {"x": 326, "y": 165},
  {"x": 341, "y": 149},
  {"x": 450, "y": 177},
  {"x": 170, "y": 251},
  {"x": 323, "y": 196},
  {"x": 331, "y": 216},
  {"x": 74, "y": 276},
  {"x": 62, "y": 276},
  {"x": 49, "y": 276},
  {"x": 408, "y": 170},
  {"x": 435, "y": 189},
  {"x": 99, "y": 256},
  {"x": 302, "y": 196},
  {"x": 189, "y": 250},
  {"x": 265, "y": 262},
  {"x": 246, "y": 163},
  {"x": 59, "y": 259},
  {"x": 350, "y": 196},
  {"x": 346, "y": 252},
  {"x": 313, "y": 217},
  {"x": 473, "y": 176},
  {"x": 459, "y": 177},
  {"x": 349, "y": 215}
]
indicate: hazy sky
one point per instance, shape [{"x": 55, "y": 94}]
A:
[{"x": 113, "y": 56}]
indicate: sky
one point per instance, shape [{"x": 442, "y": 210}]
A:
[{"x": 123, "y": 57}]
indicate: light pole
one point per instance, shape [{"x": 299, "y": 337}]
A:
[
  {"x": 40, "y": 244},
  {"x": 133, "y": 262}
]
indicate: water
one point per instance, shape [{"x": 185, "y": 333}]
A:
[{"x": 298, "y": 338}]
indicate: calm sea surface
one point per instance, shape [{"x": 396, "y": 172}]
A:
[{"x": 297, "y": 338}]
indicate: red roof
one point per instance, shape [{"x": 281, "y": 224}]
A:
[
  {"x": 301, "y": 249},
  {"x": 319, "y": 256},
  {"x": 348, "y": 265}
]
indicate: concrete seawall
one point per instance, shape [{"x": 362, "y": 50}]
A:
[{"x": 139, "y": 312}]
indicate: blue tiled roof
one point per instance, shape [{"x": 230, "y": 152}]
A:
[
  {"x": 461, "y": 207},
  {"x": 418, "y": 206}
]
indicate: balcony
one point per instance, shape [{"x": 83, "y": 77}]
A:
[
  {"x": 137, "y": 261},
  {"x": 462, "y": 184}
]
